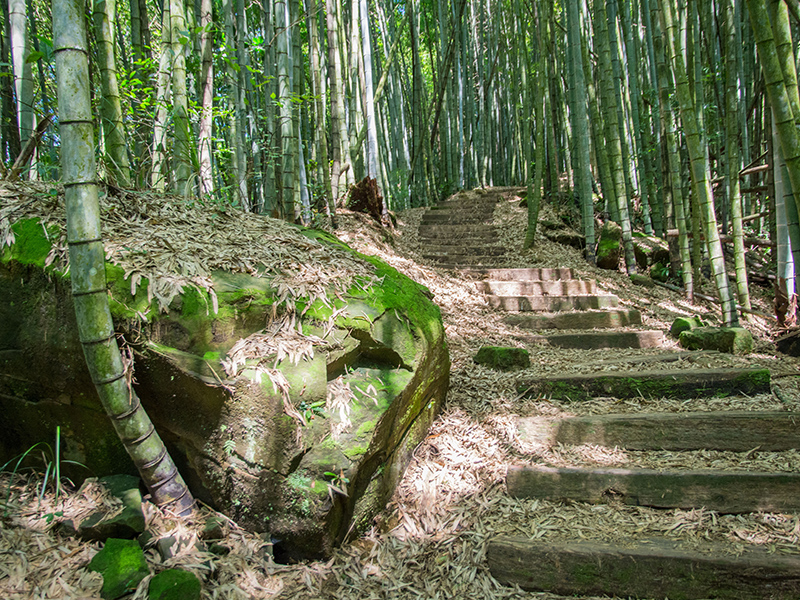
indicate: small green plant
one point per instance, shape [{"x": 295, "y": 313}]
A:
[
  {"x": 229, "y": 447},
  {"x": 51, "y": 462},
  {"x": 314, "y": 409},
  {"x": 338, "y": 483}
]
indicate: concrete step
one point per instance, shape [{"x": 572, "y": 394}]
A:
[
  {"x": 674, "y": 383},
  {"x": 570, "y": 287},
  {"x": 528, "y": 274},
  {"x": 650, "y": 568},
  {"x": 595, "y": 319},
  {"x": 552, "y": 303},
  {"x": 730, "y": 431},
  {"x": 729, "y": 492},
  {"x": 599, "y": 339}
]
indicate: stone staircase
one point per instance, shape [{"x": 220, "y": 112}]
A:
[
  {"x": 560, "y": 310},
  {"x": 458, "y": 234}
]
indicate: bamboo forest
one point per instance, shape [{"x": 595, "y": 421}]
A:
[
  {"x": 399, "y": 299},
  {"x": 666, "y": 118}
]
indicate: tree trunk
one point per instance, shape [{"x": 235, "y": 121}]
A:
[
  {"x": 111, "y": 376},
  {"x": 116, "y": 145},
  {"x": 205, "y": 129}
]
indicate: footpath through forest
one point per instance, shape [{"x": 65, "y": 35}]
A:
[{"x": 612, "y": 463}]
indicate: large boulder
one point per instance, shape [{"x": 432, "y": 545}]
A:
[
  {"x": 291, "y": 396},
  {"x": 649, "y": 250}
]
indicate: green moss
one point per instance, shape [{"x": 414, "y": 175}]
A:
[
  {"x": 755, "y": 380},
  {"x": 365, "y": 428},
  {"x": 122, "y": 565},
  {"x": 31, "y": 242},
  {"x": 174, "y": 584},
  {"x": 503, "y": 358},
  {"x": 353, "y": 452},
  {"x": 585, "y": 574}
]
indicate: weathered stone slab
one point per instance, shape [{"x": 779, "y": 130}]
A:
[
  {"x": 733, "y": 340},
  {"x": 595, "y": 319},
  {"x": 644, "y": 569},
  {"x": 734, "y": 431},
  {"x": 528, "y": 274},
  {"x": 722, "y": 491},
  {"x": 552, "y": 303},
  {"x": 650, "y": 384},
  {"x": 592, "y": 340},
  {"x": 541, "y": 288}
]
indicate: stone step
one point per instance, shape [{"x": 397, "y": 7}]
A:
[
  {"x": 552, "y": 303},
  {"x": 685, "y": 383},
  {"x": 729, "y": 492},
  {"x": 596, "y": 340},
  {"x": 568, "y": 287},
  {"x": 652, "y": 568},
  {"x": 731, "y": 431},
  {"x": 458, "y": 230},
  {"x": 458, "y": 261},
  {"x": 460, "y": 205},
  {"x": 528, "y": 274},
  {"x": 595, "y": 319},
  {"x": 435, "y": 249},
  {"x": 456, "y": 218},
  {"x": 487, "y": 238}
]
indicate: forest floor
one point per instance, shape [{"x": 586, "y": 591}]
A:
[{"x": 431, "y": 540}]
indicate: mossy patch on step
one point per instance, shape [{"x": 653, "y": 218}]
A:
[{"x": 503, "y": 358}]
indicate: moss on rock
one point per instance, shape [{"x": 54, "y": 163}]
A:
[
  {"x": 733, "y": 340},
  {"x": 502, "y": 358}
]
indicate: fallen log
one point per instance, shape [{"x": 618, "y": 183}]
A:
[{"x": 726, "y": 239}]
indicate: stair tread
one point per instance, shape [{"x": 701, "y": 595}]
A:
[
  {"x": 729, "y": 492},
  {"x": 652, "y": 568},
  {"x": 730, "y": 431},
  {"x": 673, "y": 383}
]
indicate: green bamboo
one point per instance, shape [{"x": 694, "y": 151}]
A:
[
  {"x": 699, "y": 165},
  {"x": 111, "y": 377},
  {"x": 116, "y": 146}
]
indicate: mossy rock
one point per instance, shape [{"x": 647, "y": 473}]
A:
[
  {"x": 122, "y": 565},
  {"x": 682, "y": 324},
  {"x": 609, "y": 248},
  {"x": 232, "y": 438},
  {"x": 733, "y": 340},
  {"x": 174, "y": 584},
  {"x": 648, "y": 250},
  {"x": 502, "y": 358}
]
